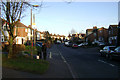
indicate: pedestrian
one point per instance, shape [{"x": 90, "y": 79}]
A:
[
  {"x": 39, "y": 53},
  {"x": 44, "y": 49}
]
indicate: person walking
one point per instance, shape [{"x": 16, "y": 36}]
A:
[
  {"x": 39, "y": 53},
  {"x": 44, "y": 49}
]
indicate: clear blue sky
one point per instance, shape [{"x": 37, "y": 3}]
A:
[{"x": 61, "y": 18}]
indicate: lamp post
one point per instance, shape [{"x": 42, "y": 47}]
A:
[
  {"x": 31, "y": 29},
  {"x": 34, "y": 26},
  {"x": 33, "y": 23}
]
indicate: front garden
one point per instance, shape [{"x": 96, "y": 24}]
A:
[{"x": 22, "y": 60}]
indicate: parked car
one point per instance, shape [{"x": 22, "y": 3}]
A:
[
  {"x": 95, "y": 42},
  {"x": 83, "y": 44},
  {"x": 40, "y": 43},
  {"x": 80, "y": 45},
  {"x": 107, "y": 50},
  {"x": 58, "y": 42},
  {"x": 101, "y": 43},
  {"x": 36, "y": 44},
  {"x": 115, "y": 54},
  {"x": 66, "y": 43},
  {"x": 70, "y": 44},
  {"x": 74, "y": 46}
]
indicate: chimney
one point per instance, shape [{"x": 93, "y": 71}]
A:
[
  {"x": 95, "y": 27},
  {"x": 18, "y": 19}
]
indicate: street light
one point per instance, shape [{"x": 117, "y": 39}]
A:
[
  {"x": 31, "y": 30},
  {"x": 32, "y": 25}
]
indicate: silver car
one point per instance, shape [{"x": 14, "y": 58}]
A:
[
  {"x": 107, "y": 50},
  {"x": 116, "y": 53}
]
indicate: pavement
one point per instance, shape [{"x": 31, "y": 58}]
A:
[{"x": 57, "y": 69}]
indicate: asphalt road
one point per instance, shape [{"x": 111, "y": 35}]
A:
[{"x": 87, "y": 63}]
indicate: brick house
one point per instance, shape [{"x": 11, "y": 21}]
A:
[
  {"x": 30, "y": 33},
  {"x": 42, "y": 35},
  {"x": 37, "y": 35},
  {"x": 81, "y": 35},
  {"x": 103, "y": 34},
  {"x": 90, "y": 38},
  {"x": 21, "y": 31},
  {"x": 69, "y": 37},
  {"x": 112, "y": 34},
  {"x": 91, "y": 34}
]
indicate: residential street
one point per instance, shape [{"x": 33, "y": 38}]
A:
[
  {"x": 87, "y": 63},
  {"x": 66, "y": 62}
]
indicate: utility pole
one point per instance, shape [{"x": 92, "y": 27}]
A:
[
  {"x": 34, "y": 29},
  {"x": 31, "y": 33}
]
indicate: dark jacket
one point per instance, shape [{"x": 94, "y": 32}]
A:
[{"x": 44, "y": 48}]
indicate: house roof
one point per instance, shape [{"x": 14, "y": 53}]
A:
[
  {"x": 89, "y": 30},
  {"x": 19, "y": 24},
  {"x": 69, "y": 35},
  {"x": 113, "y": 25},
  {"x": 102, "y": 28},
  {"x": 82, "y": 35}
]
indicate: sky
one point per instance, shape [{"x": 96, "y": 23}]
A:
[{"x": 61, "y": 17}]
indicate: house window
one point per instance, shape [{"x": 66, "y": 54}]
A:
[
  {"x": 29, "y": 30},
  {"x": 2, "y": 39},
  {"x": 94, "y": 34},
  {"x": 25, "y": 30}
]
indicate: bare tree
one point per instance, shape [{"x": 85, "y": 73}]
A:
[
  {"x": 47, "y": 35},
  {"x": 72, "y": 31},
  {"x": 12, "y": 12}
]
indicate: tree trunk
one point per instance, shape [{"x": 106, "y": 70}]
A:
[{"x": 10, "y": 54}]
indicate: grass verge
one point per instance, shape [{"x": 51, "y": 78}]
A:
[{"x": 25, "y": 64}]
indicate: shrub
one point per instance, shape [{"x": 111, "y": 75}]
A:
[
  {"x": 30, "y": 49},
  {"x": 5, "y": 48},
  {"x": 18, "y": 48}
]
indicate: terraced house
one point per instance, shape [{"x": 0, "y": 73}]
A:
[{"x": 97, "y": 34}]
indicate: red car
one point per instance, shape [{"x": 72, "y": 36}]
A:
[{"x": 74, "y": 46}]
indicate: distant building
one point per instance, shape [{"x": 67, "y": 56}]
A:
[
  {"x": 113, "y": 32},
  {"x": 103, "y": 34},
  {"x": 91, "y": 34}
]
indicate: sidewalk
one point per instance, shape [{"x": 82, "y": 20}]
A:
[{"x": 57, "y": 68}]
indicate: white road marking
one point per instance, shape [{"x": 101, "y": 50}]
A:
[
  {"x": 50, "y": 56},
  {"x": 106, "y": 63}
]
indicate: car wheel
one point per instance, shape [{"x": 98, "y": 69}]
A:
[
  {"x": 110, "y": 57},
  {"x": 107, "y": 55}
]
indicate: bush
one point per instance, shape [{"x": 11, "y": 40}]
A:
[
  {"x": 5, "y": 48},
  {"x": 18, "y": 48},
  {"x": 30, "y": 49}
]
